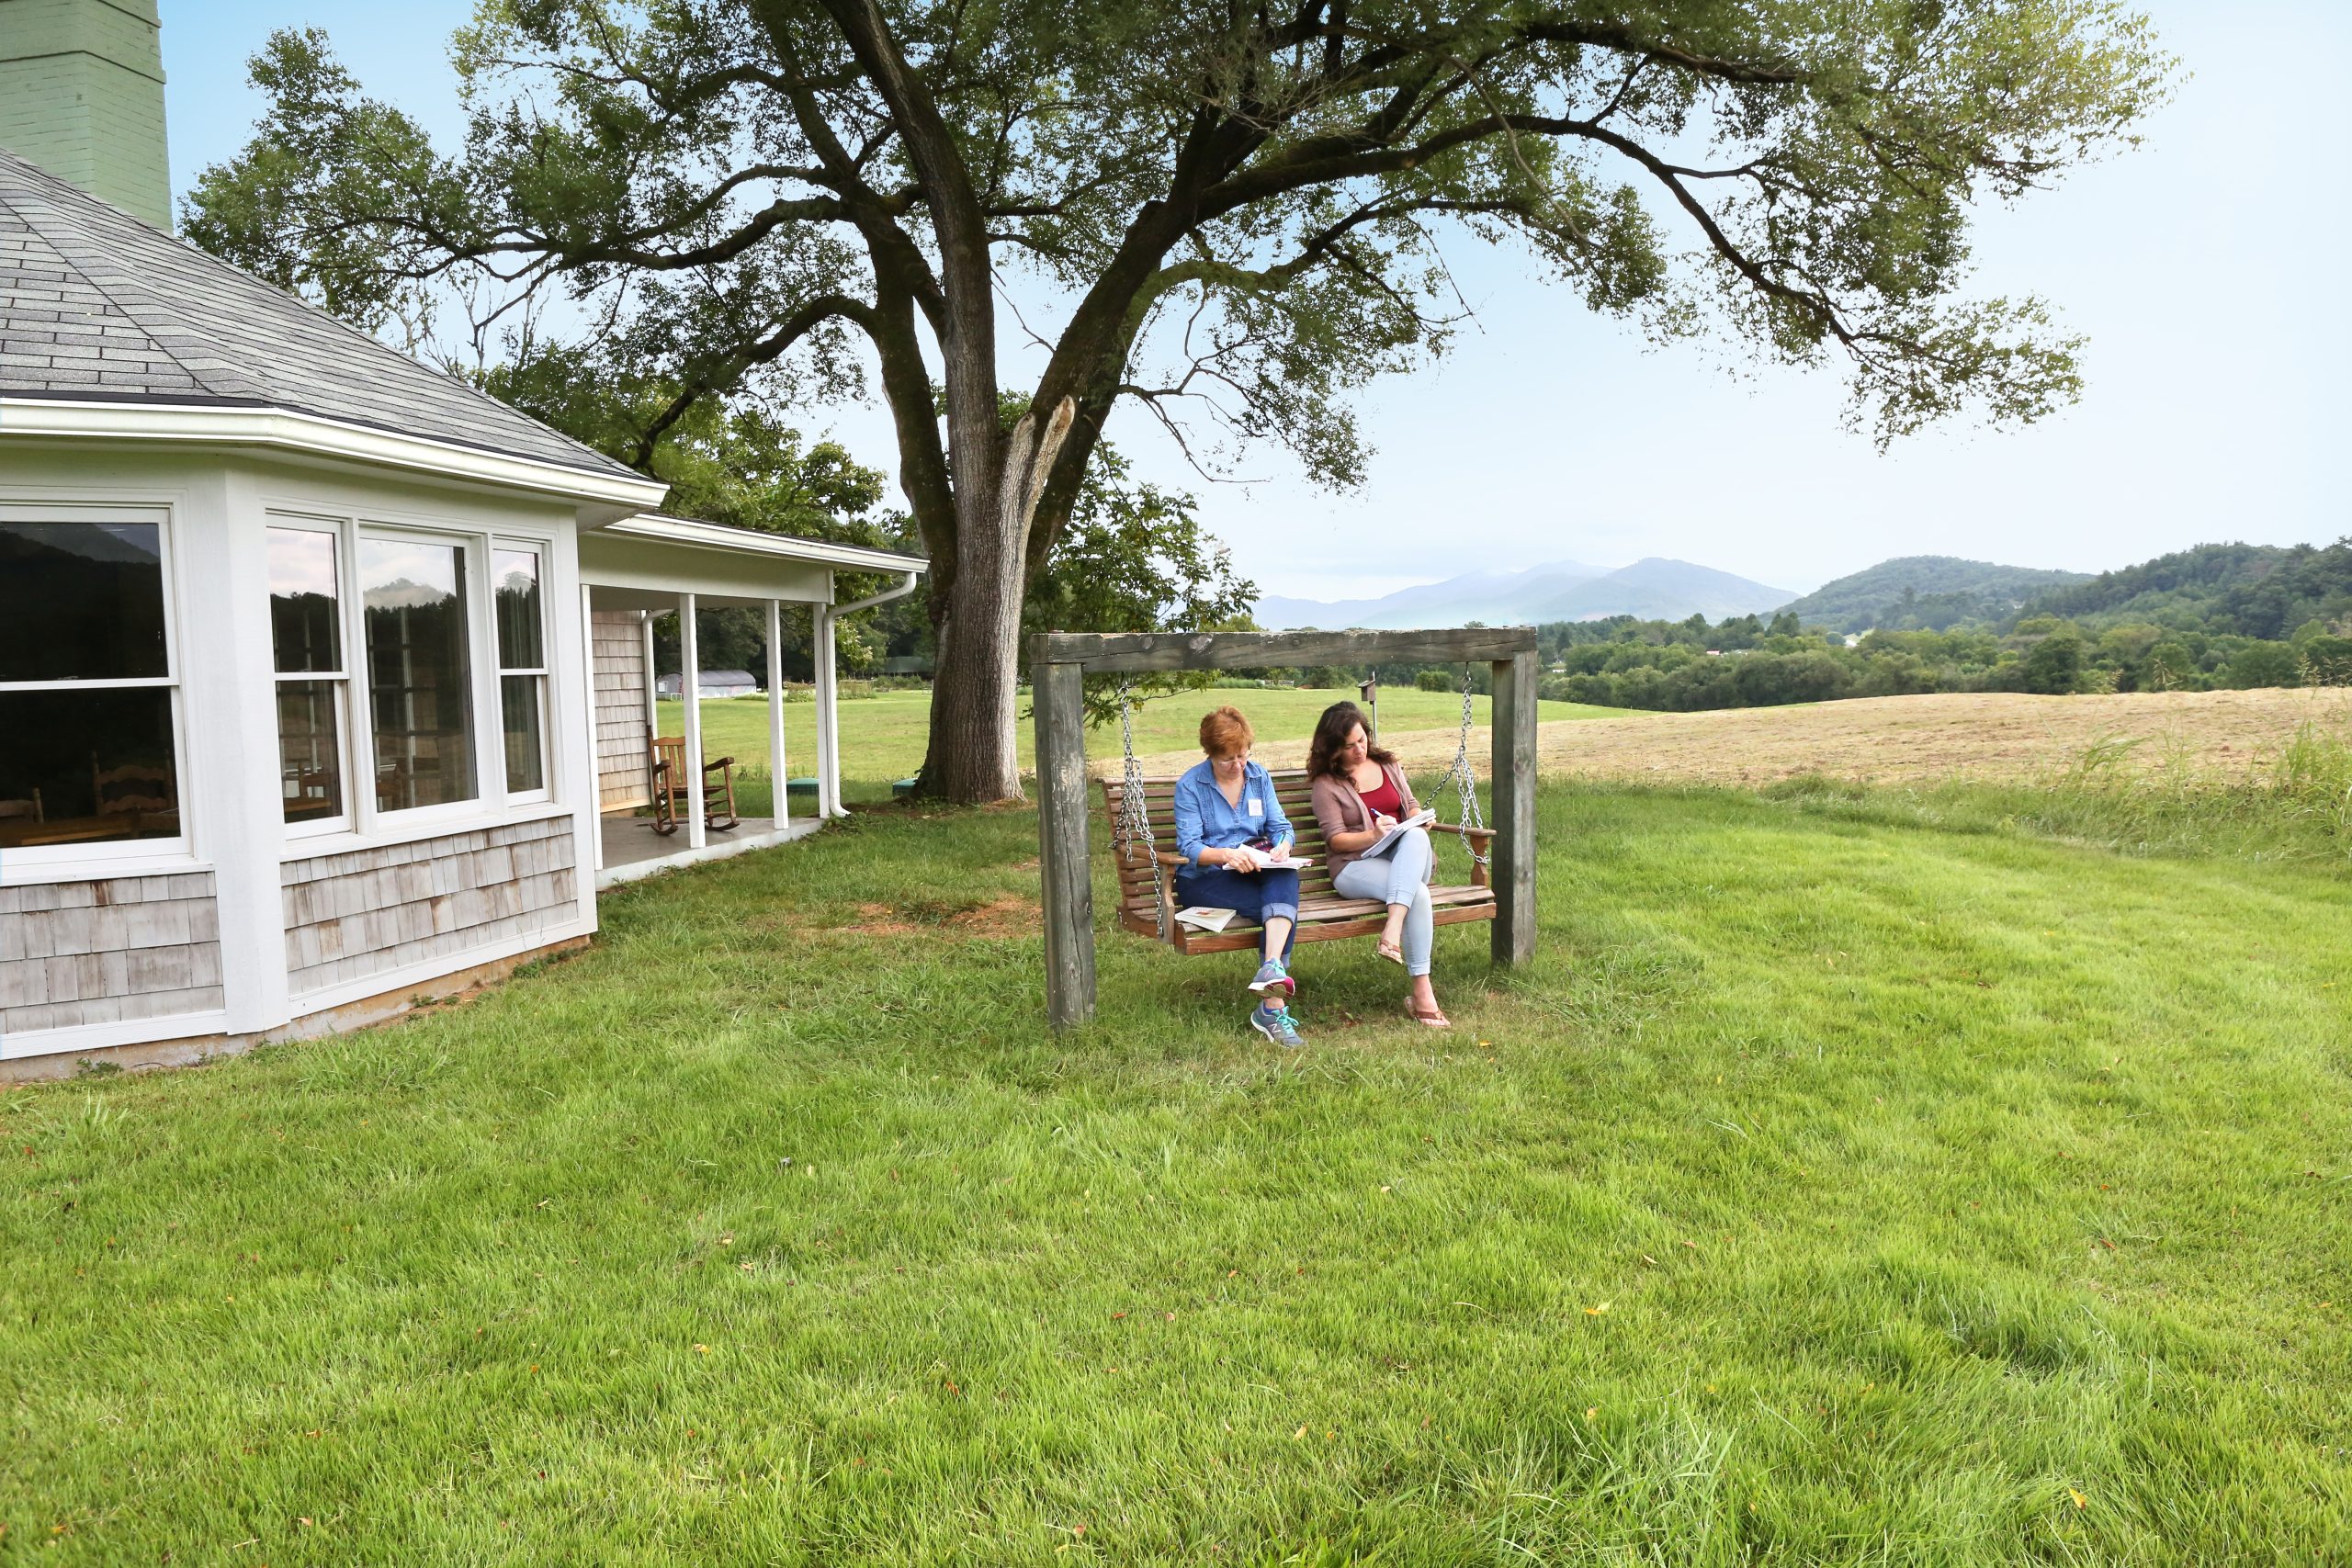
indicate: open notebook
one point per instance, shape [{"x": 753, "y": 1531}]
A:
[{"x": 1421, "y": 818}]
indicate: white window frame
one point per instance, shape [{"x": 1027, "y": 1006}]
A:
[
  {"x": 346, "y": 708},
  {"x": 542, "y": 670},
  {"x": 97, "y": 855},
  {"x": 490, "y": 761}
]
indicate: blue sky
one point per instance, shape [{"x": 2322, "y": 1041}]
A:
[{"x": 2206, "y": 268}]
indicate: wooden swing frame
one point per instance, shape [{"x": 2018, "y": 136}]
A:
[{"x": 1060, "y": 661}]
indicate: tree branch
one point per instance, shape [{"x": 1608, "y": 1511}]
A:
[{"x": 725, "y": 372}]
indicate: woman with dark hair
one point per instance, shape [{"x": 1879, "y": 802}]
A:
[{"x": 1359, "y": 796}]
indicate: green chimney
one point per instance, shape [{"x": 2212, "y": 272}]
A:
[{"x": 82, "y": 95}]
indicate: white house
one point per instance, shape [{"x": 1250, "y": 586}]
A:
[{"x": 323, "y": 679}]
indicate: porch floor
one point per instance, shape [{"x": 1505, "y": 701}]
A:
[{"x": 632, "y": 849}]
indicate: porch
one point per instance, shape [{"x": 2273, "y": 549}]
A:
[
  {"x": 632, "y": 849},
  {"x": 639, "y": 568}
]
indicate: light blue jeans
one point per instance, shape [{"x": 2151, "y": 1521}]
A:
[{"x": 1400, "y": 876}]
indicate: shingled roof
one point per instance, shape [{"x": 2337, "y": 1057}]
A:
[{"x": 96, "y": 306}]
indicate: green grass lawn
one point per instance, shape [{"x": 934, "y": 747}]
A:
[
  {"x": 1831, "y": 1190},
  {"x": 883, "y": 736}
]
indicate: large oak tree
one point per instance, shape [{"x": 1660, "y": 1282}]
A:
[{"x": 1240, "y": 209}]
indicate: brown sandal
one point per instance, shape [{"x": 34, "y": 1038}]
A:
[
  {"x": 1391, "y": 950},
  {"x": 1434, "y": 1019}
]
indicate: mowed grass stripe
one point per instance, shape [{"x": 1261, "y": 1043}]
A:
[{"x": 1831, "y": 1190}]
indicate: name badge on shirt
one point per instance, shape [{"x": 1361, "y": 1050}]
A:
[{"x": 1257, "y": 807}]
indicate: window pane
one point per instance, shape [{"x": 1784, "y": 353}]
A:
[
  {"x": 83, "y": 767},
  {"x": 418, "y": 699},
  {"x": 518, "y": 572},
  {"x": 526, "y": 758},
  {"x": 301, "y": 600},
  {"x": 80, "y": 602},
  {"x": 310, "y": 749}
]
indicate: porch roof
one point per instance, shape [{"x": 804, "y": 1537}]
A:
[{"x": 643, "y": 562}]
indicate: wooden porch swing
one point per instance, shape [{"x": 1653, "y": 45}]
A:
[
  {"x": 1141, "y": 812},
  {"x": 1141, "y": 809}
]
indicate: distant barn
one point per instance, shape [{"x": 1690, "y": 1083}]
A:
[{"x": 711, "y": 683}]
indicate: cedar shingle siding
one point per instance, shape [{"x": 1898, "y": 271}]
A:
[
  {"x": 127, "y": 947},
  {"x": 617, "y": 638},
  {"x": 368, "y": 912}
]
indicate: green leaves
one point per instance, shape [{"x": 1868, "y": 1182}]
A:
[
  {"x": 1267, "y": 199},
  {"x": 336, "y": 196}
]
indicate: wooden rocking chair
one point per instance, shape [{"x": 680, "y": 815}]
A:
[{"x": 670, "y": 805}]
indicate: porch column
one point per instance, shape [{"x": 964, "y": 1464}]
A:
[
  {"x": 594, "y": 783},
  {"x": 829, "y": 777},
  {"x": 690, "y": 689},
  {"x": 781, "y": 808},
  {"x": 652, "y": 703}
]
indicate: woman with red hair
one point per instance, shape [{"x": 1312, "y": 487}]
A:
[{"x": 1231, "y": 831}]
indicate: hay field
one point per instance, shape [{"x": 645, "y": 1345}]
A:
[{"x": 2003, "y": 736}]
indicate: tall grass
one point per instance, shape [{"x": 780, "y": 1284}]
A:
[{"x": 2135, "y": 795}]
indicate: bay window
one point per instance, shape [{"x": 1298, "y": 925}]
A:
[
  {"x": 444, "y": 623},
  {"x": 88, "y": 694}
]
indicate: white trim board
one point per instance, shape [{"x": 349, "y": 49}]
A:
[
  {"x": 14, "y": 1047},
  {"x": 718, "y": 536},
  {"x": 284, "y": 430},
  {"x": 419, "y": 975}
]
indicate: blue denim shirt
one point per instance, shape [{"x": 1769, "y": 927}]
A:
[{"x": 1204, "y": 819}]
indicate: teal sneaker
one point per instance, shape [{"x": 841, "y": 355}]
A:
[
  {"x": 1270, "y": 974},
  {"x": 1275, "y": 1024}
]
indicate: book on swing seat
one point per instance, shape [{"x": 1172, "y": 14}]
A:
[
  {"x": 1205, "y": 917},
  {"x": 1420, "y": 818}
]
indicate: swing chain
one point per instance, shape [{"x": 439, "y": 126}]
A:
[
  {"x": 1463, "y": 781},
  {"x": 1135, "y": 816}
]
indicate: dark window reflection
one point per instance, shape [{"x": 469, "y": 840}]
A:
[
  {"x": 517, "y": 573},
  {"x": 302, "y": 600},
  {"x": 80, "y": 602},
  {"x": 525, "y": 754},
  {"x": 87, "y": 766},
  {"x": 418, "y": 699},
  {"x": 310, "y": 749}
]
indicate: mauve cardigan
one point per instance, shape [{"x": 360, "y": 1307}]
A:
[{"x": 1339, "y": 809}]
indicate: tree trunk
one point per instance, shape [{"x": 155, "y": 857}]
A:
[{"x": 972, "y": 757}]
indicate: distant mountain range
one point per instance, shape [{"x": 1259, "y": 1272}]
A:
[
  {"x": 1934, "y": 591},
  {"x": 1654, "y": 589}
]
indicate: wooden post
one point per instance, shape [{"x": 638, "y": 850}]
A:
[
  {"x": 1058, "y": 693},
  {"x": 1513, "y": 771},
  {"x": 690, "y": 690},
  {"x": 780, "y": 807}
]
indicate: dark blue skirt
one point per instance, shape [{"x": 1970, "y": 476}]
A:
[{"x": 1253, "y": 895}]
